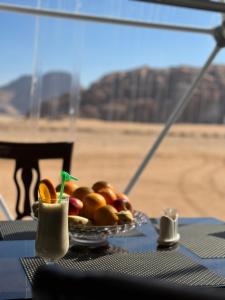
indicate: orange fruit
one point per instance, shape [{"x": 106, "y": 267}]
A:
[
  {"x": 47, "y": 191},
  {"x": 82, "y": 192},
  {"x": 106, "y": 215},
  {"x": 69, "y": 187},
  {"x": 92, "y": 202},
  {"x": 100, "y": 185},
  {"x": 108, "y": 194}
]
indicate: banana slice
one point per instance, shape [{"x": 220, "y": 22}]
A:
[
  {"x": 125, "y": 216},
  {"x": 78, "y": 220}
]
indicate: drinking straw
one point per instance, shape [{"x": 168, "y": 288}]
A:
[{"x": 65, "y": 177}]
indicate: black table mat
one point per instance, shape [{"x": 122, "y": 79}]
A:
[
  {"x": 75, "y": 253},
  {"x": 171, "y": 266},
  {"x": 205, "y": 240},
  {"x": 18, "y": 230}
]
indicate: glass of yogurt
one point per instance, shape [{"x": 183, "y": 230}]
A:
[{"x": 52, "y": 239}]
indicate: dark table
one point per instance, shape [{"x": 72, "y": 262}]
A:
[{"x": 15, "y": 285}]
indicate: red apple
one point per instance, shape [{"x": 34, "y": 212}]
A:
[
  {"x": 122, "y": 196},
  {"x": 122, "y": 204},
  {"x": 75, "y": 205}
]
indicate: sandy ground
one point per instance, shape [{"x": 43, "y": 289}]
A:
[{"x": 187, "y": 172}]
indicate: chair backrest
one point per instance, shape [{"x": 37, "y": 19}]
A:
[
  {"x": 27, "y": 156},
  {"x": 51, "y": 282}
]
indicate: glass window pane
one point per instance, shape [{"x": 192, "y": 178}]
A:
[{"x": 129, "y": 80}]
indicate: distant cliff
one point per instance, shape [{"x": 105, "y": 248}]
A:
[
  {"x": 149, "y": 95},
  {"x": 15, "y": 96},
  {"x": 141, "y": 95}
]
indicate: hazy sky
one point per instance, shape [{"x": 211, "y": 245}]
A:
[{"x": 95, "y": 49}]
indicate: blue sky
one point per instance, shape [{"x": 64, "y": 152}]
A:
[{"x": 95, "y": 49}]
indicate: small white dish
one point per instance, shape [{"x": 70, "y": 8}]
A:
[
  {"x": 168, "y": 242},
  {"x": 168, "y": 228}
]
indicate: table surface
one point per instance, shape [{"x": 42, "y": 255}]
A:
[{"x": 15, "y": 285}]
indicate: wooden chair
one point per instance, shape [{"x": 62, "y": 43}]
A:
[{"x": 27, "y": 156}]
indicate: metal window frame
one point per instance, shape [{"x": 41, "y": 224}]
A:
[
  {"x": 101, "y": 19},
  {"x": 207, "y": 5}
]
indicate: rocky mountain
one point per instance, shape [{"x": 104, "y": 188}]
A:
[
  {"x": 149, "y": 95},
  {"x": 144, "y": 95},
  {"x": 15, "y": 96}
]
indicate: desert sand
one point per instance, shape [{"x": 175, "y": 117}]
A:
[{"x": 187, "y": 172}]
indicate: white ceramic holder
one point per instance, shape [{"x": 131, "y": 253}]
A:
[{"x": 168, "y": 231}]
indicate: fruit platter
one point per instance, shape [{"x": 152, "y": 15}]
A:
[
  {"x": 94, "y": 213},
  {"x": 93, "y": 235}
]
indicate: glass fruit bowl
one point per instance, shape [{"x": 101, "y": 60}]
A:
[{"x": 97, "y": 235}]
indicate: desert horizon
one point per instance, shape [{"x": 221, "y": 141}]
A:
[{"x": 187, "y": 172}]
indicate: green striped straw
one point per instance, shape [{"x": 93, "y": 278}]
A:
[{"x": 65, "y": 177}]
